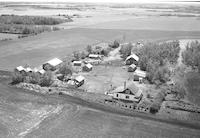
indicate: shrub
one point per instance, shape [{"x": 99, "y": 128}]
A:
[
  {"x": 33, "y": 78},
  {"x": 46, "y": 79},
  {"x": 89, "y": 49},
  {"x": 17, "y": 78},
  {"x": 65, "y": 70}
]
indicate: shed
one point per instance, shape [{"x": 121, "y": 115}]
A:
[
  {"x": 94, "y": 56},
  {"x": 87, "y": 67},
  {"x": 139, "y": 74},
  {"x": 132, "y": 59},
  {"x": 79, "y": 81},
  {"x": 52, "y": 64},
  {"x": 20, "y": 69},
  {"x": 77, "y": 63},
  {"x": 130, "y": 93},
  {"x": 28, "y": 70},
  {"x": 132, "y": 68},
  {"x": 41, "y": 72}
]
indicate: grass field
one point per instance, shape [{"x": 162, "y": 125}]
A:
[{"x": 37, "y": 49}]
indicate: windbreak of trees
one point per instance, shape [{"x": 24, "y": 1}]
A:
[
  {"x": 191, "y": 56},
  {"x": 155, "y": 57},
  {"x": 30, "y": 20}
]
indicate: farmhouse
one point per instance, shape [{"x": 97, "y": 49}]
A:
[
  {"x": 52, "y": 64},
  {"x": 87, "y": 67},
  {"x": 79, "y": 81},
  {"x": 131, "y": 93},
  {"x": 139, "y": 75},
  {"x": 77, "y": 63},
  {"x": 132, "y": 68},
  {"x": 20, "y": 69},
  {"x": 132, "y": 59}
]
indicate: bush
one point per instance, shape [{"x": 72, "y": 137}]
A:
[
  {"x": 89, "y": 49},
  {"x": 46, "y": 79},
  {"x": 33, "y": 78},
  {"x": 155, "y": 107},
  {"x": 17, "y": 78}
]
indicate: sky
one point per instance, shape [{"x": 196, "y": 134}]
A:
[{"x": 102, "y": 1}]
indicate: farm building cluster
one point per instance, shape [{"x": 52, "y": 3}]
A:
[{"x": 82, "y": 74}]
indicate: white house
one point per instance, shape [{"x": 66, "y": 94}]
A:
[{"x": 131, "y": 93}]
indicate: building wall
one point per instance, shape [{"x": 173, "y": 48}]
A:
[{"x": 124, "y": 97}]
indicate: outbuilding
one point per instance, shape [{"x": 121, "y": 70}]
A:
[
  {"x": 132, "y": 68},
  {"x": 139, "y": 75},
  {"x": 87, "y": 67},
  {"x": 79, "y": 81},
  {"x": 41, "y": 71},
  {"x": 52, "y": 64},
  {"x": 77, "y": 63},
  {"x": 20, "y": 70},
  {"x": 94, "y": 56},
  {"x": 132, "y": 59}
]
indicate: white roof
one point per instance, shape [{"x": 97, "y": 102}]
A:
[
  {"x": 132, "y": 66},
  {"x": 20, "y": 68},
  {"x": 93, "y": 56},
  {"x": 42, "y": 71},
  {"x": 77, "y": 62},
  {"x": 140, "y": 73},
  {"x": 134, "y": 56},
  {"x": 28, "y": 69},
  {"x": 35, "y": 70},
  {"x": 55, "y": 62},
  {"x": 79, "y": 78},
  {"x": 89, "y": 65}
]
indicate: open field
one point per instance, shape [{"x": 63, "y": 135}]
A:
[
  {"x": 37, "y": 49},
  {"x": 23, "y": 113}
]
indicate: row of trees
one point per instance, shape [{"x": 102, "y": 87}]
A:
[
  {"x": 155, "y": 58},
  {"x": 34, "y": 78},
  {"x": 23, "y": 29},
  {"x": 31, "y": 20},
  {"x": 191, "y": 56}
]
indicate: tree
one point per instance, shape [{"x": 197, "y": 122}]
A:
[
  {"x": 65, "y": 70},
  {"x": 46, "y": 79},
  {"x": 17, "y": 78},
  {"x": 126, "y": 50},
  {"x": 89, "y": 49},
  {"x": 77, "y": 55}
]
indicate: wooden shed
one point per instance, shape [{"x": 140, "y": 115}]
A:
[{"x": 87, "y": 67}]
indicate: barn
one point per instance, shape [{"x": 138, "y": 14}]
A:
[
  {"x": 20, "y": 70},
  {"x": 77, "y": 63},
  {"x": 52, "y": 64},
  {"x": 131, "y": 93},
  {"x": 132, "y": 68},
  {"x": 87, "y": 67},
  {"x": 132, "y": 59}
]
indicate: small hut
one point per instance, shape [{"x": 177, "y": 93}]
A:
[
  {"x": 132, "y": 59},
  {"x": 132, "y": 68},
  {"x": 20, "y": 70},
  {"x": 52, "y": 64},
  {"x": 79, "y": 81},
  {"x": 87, "y": 67},
  {"x": 139, "y": 75}
]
